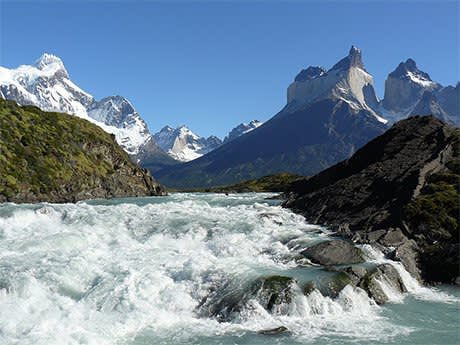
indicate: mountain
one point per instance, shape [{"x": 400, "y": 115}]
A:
[
  {"x": 47, "y": 85},
  {"x": 400, "y": 190},
  {"x": 410, "y": 91},
  {"x": 241, "y": 129},
  {"x": 328, "y": 116},
  {"x": 347, "y": 81},
  {"x": 429, "y": 105},
  {"x": 184, "y": 145},
  {"x": 55, "y": 157}
]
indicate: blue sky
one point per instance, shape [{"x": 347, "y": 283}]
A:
[{"x": 213, "y": 64}]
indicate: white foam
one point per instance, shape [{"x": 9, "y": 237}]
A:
[
  {"x": 412, "y": 285},
  {"x": 93, "y": 274}
]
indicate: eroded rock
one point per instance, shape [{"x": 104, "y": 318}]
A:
[
  {"x": 335, "y": 252},
  {"x": 379, "y": 280}
]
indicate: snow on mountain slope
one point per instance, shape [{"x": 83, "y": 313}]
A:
[
  {"x": 184, "y": 145},
  {"x": 117, "y": 112},
  {"x": 404, "y": 88},
  {"x": 347, "y": 80},
  {"x": 47, "y": 85},
  {"x": 241, "y": 129}
]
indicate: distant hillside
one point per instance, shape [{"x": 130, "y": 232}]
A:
[
  {"x": 271, "y": 183},
  {"x": 55, "y": 157}
]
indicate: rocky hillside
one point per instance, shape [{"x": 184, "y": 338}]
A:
[
  {"x": 401, "y": 190},
  {"x": 48, "y": 85},
  {"x": 47, "y": 156}
]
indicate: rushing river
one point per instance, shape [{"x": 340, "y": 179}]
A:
[{"x": 135, "y": 271}]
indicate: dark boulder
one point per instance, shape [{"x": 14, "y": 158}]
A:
[
  {"x": 384, "y": 274},
  {"x": 335, "y": 252},
  {"x": 274, "y": 331},
  {"x": 273, "y": 293}
]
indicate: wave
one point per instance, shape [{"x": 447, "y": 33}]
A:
[{"x": 125, "y": 270}]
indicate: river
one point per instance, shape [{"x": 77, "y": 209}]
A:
[{"x": 137, "y": 270}]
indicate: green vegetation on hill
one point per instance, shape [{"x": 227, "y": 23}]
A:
[
  {"x": 271, "y": 183},
  {"x": 434, "y": 217},
  {"x": 47, "y": 156}
]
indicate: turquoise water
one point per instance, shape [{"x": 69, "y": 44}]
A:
[{"x": 134, "y": 271}]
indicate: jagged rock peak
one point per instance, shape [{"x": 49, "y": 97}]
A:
[
  {"x": 119, "y": 103},
  {"x": 167, "y": 128},
  {"x": 354, "y": 59},
  {"x": 241, "y": 129},
  {"x": 182, "y": 144},
  {"x": 47, "y": 59},
  {"x": 409, "y": 70},
  {"x": 50, "y": 61},
  {"x": 310, "y": 73}
]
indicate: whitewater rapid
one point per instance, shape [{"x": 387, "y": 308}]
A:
[{"x": 134, "y": 271}]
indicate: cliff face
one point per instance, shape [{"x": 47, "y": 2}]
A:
[
  {"x": 55, "y": 157},
  {"x": 399, "y": 190}
]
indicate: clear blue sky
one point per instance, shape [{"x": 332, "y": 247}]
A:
[{"x": 214, "y": 64}]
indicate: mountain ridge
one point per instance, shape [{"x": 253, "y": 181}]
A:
[
  {"x": 339, "y": 123},
  {"x": 328, "y": 115},
  {"x": 184, "y": 145},
  {"x": 47, "y": 85}
]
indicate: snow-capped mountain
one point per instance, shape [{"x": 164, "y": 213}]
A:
[
  {"x": 117, "y": 112},
  {"x": 347, "y": 81},
  {"x": 47, "y": 85},
  {"x": 410, "y": 91},
  {"x": 328, "y": 116},
  {"x": 404, "y": 88},
  {"x": 241, "y": 129},
  {"x": 184, "y": 145}
]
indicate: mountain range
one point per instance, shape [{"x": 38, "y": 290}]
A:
[
  {"x": 47, "y": 85},
  {"x": 184, "y": 145},
  {"x": 329, "y": 114}
]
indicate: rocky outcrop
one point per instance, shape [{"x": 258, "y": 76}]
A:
[
  {"x": 274, "y": 331},
  {"x": 335, "y": 252},
  {"x": 405, "y": 85},
  {"x": 273, "y": 293},
  {"x": 399, "y": 190},
  {"x": 56, "y": 157},
  {"x": 380, "y": 280}
]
